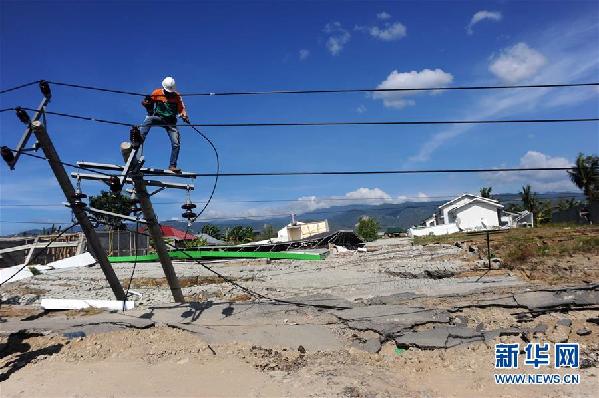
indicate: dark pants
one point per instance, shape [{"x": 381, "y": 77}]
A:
[{"x": 171, "y": 129}]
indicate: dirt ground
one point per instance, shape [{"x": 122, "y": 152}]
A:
[
  {"x": 401, "y": 320},
  {"x": 550, "y": 254},
  {"x": 164, "y": 361}
]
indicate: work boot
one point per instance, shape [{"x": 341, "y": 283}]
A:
[{"x": 174, "y": 169}]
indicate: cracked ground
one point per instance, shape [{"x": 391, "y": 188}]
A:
[{"x": 398, "y": 320}]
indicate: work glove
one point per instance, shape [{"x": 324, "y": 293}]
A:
[
  {"x": 185, "y": 118},
  {"x": 148, "y": 104}
]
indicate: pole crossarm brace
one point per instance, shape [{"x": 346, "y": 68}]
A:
[
  {"x": 153, "y": 183},
  {"x": 28, "y": 131},
  {"x": 145, "y": 170},
  {"x": 93, "y": 210}
]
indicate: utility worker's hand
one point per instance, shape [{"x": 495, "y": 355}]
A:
[
  {"x": 185, "y": 118},
  {"x": 148, "y": 104}
]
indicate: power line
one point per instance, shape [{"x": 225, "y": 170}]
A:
[
  {"x": 35, "y": 222},
  {"x": 361, "y": 172},
  {"x": 19, "y": 87},
  {"x": 395, "y": 122},
  {"x": 75, "y": 166},
  {"x": 371, "y": 172},
  {"x": 329, "y": 91},
  {"x": 315, "y": 199},
  {"x": 326, "y": 123}
]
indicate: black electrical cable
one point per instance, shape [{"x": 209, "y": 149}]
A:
[
  {"x": 396, "y": 123},
  {"x": 329, "y": 91},
  {"x": 133, "y": 270},
  {"x": 75, "y": 166},
  {"x": 356, "y": 123},
  {"x": 43, "y": 250},
  {"x": 216, "y": 174},
  {"x": 19, "y": 87},
  {"x": 298, "y": 173},
  {"x": 421, "y": 171}
]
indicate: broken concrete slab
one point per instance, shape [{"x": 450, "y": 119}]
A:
[
  {"x": 325, "y": 300},
  {"x": 451, "y": 336},
  {"x": 392, "y": 299},
  {"x": 506, "y": 302},
  {"x": 441, "y": 337},
  {"x": 389, "y": 320},
  {"x": 386, "y": 312},
  {"x": 259, "y": 323},
  {"x": 565, "y": 322},
  {"x": 542, "y": 299},
  {"x": 367, "y": 341},
  {"x": 583, "y": 332},
  {"x": 100, "y": 323}
]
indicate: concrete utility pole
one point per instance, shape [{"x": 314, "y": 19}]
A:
[
  {"x": 65, "y": 184},
  {"x": 154, "y": 229},
  {"x": 133, "y": 173}
]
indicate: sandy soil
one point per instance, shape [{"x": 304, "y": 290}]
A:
[{"x": 162, "y": 361}]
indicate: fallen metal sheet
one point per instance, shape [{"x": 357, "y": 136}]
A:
[
  {"x": 6, "y": 273},
  {"x": 77, "y": 304},
  {"x": 198, "y": 254},
  {"x": 80, "y": 260},
  {"x": 348, "y": 239}
]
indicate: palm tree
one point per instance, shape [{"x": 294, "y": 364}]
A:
[
  {"x": 212, "y": 230},
  {"x": 585, "y": 175},
  {"x": 529, "y": 198},
  {"x": 485, "y": 192}
]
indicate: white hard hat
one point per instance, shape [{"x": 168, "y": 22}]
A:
[{"x": 169, "y": 84}]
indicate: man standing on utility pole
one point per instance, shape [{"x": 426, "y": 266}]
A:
[{"x": 163, "y": 107}]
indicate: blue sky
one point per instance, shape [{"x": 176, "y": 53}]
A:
[{"x": 222, "y": 46}]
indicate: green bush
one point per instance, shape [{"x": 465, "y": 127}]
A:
[{"x": 367, "y": 229}]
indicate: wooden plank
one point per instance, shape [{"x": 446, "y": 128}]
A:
[{"x": 38, "y": 246}]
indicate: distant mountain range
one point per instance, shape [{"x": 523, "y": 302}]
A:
[{"x": 401, "y": 215}]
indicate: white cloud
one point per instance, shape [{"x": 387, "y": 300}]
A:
[
  {"x": 481, "y": 16},
  {"x": 361, "y": 109},
  {"x": 539, "y": 180},
  {"x": 426, "y": 78},
  {"x": 363, "y": 195},
  {"x": 390, "y": 32},
  {"x": 303, "y": 54},
  {"x": 517, "y": 63},
  {"x": 337, "y": 37},
  {"x": 383, "y": 15},
  {"x": 368, "y": 193},
  {"x": 575, "y": 57}
]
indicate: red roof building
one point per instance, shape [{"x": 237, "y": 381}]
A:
[{"x": 174, "y": 233}]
